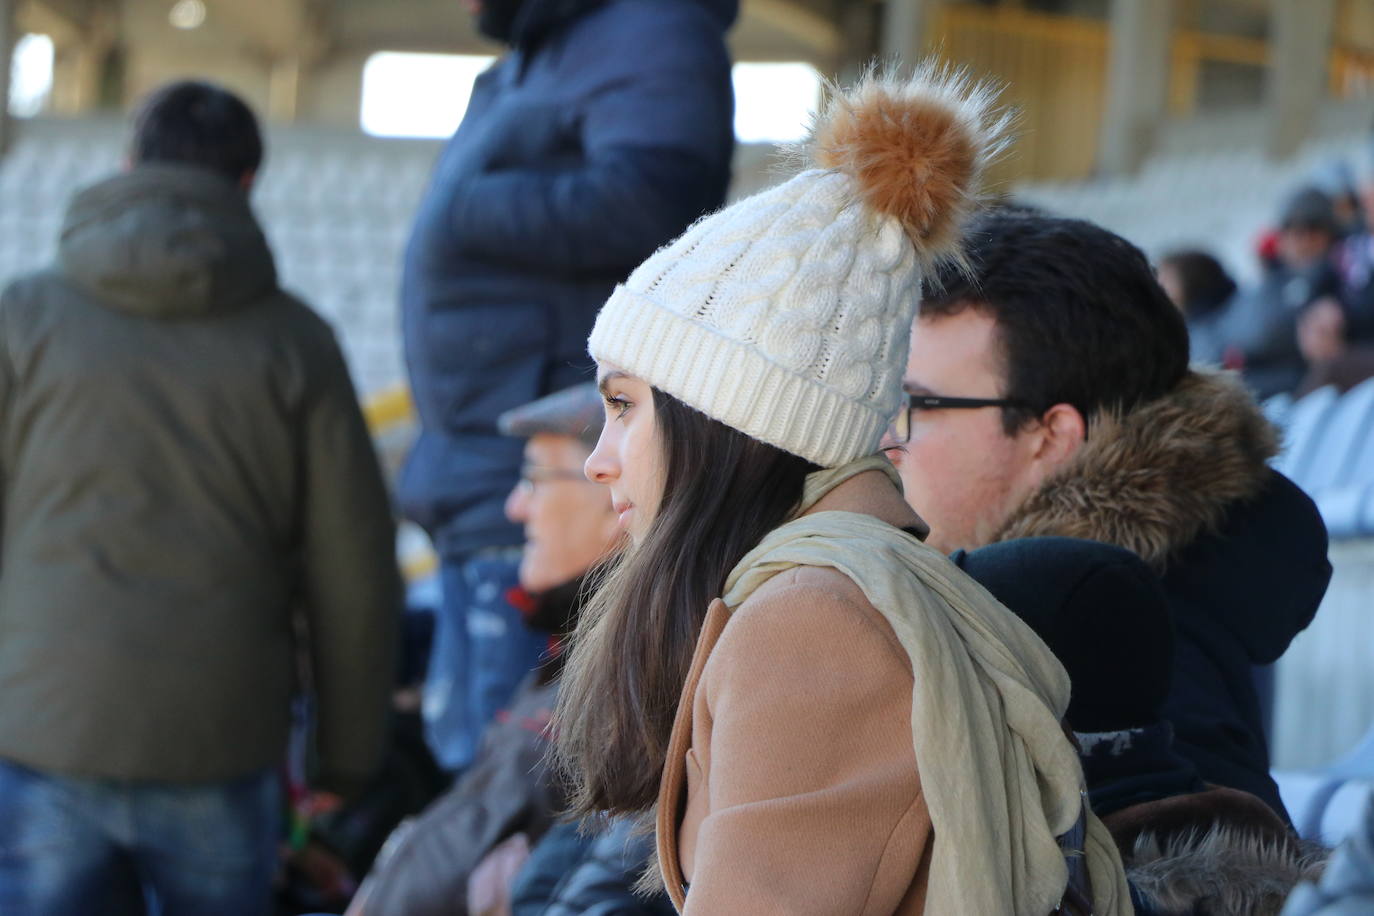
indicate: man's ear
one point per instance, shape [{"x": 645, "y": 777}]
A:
[{"x": 1062, "y": 431}]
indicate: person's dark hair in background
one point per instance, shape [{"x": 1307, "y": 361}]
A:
[
  {"x": 1205, "y": 293},
  {"x": 1113, "y": 339},
  {"x": 1196, "y": 282},
  {"x": 195, "y": 123}
]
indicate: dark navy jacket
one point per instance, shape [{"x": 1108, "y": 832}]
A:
[
  {"x": 1240, "y": 596},
  {"x": 602, "y": 135}
]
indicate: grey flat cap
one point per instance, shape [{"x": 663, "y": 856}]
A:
[{"x": 575, "y": 411}]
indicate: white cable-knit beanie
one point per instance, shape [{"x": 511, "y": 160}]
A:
[{"x": 788, "y": 315}]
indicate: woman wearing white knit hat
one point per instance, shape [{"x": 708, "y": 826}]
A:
[{"x": 829, "y": 716}]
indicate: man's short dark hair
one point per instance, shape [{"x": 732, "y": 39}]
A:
[
  {"x": 1079, "y": 314},
  {"x": 195, "y": 123}
]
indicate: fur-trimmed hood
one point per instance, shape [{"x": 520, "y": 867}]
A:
[
  {"x": 1220, "y": 872},
  {"x": 1184, "y": 483},
  {"x": 1219, "y": 852},
  {"x": 1154, "y": 479}
]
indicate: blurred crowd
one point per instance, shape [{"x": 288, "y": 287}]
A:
[
  {"x": 1308, "y": 321},
  {"x": 217, "y": 696}
]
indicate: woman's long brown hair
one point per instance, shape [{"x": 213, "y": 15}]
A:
[{"x": 723, "y": 491}]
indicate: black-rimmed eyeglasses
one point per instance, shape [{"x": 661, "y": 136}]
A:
[{"x": 899, "y": 430}]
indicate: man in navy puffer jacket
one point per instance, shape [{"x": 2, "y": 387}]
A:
[{"x": 602, "y": 134}]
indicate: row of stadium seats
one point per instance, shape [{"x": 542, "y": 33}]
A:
[
  {"x": 1211, "y": 187},
  {"x": 1329, "y": 452},
  {"x": 336, "y": 205}
]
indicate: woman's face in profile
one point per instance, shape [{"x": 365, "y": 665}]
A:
[{"x": 628, "y": 457}]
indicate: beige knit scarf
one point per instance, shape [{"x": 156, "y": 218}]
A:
[{"x": 998, "y": 774}]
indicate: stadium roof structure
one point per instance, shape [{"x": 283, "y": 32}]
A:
[{"x": 1094, "y": 78}]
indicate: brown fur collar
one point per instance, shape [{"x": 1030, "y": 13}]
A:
[
  {"x": 1156, "y": 478},
  {"x": 1196, "y": 812}
]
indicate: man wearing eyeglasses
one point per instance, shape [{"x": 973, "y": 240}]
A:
[
  {"x": 509, "y": 798},
  {"x": 1050, "y": 394}
]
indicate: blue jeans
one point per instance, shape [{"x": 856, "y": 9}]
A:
[
  {"x": 481, "y": 651},
  {"x": 78, "y": 847}
]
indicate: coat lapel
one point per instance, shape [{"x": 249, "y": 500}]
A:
[{"x": 673, "y": 784}]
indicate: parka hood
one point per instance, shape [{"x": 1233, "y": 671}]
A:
[
  {"x": 1184, "y": 482},
  {"x": 1154, "y": 478},
  {"x": 1230, "y": 868},
  {"x": 166, "y": 241},
  {"x": 1264, "y": 572}
]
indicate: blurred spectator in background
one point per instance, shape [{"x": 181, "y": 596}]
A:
[
  {"x": 1202, "y": 289},
  {"x": 508, "y": 792},
  {"x": 1337, "y": 337},
  {"x": 1259, "y": 330},
  {"x": 602, "y": 134},
  {"x": 185, "y": 464},
  {"x": 1051, "y": 395},
  {"x": 1336, "y": 179}
]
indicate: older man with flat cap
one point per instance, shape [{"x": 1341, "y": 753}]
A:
[{"x": 508, "y": 789}]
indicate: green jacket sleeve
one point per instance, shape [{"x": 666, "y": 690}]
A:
[{"x": 352, "y": 587}]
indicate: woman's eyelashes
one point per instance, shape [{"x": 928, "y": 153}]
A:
[{"x": 617, "y": 405}]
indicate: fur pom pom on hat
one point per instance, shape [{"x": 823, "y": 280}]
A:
[
  {"x": 788, "y": 315},
  {"x": 917, "y": 149}
]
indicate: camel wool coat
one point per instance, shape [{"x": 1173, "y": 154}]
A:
[{"x": 792, "y": 786}]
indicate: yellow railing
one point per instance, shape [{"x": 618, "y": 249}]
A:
[
  {"x": 388, "y": 408},
  {"x": 390, "y": 415},
  {"x": 1352, "y": 72}
]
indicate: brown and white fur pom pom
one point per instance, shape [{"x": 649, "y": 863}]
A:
[{"x": 917, "y": 146}]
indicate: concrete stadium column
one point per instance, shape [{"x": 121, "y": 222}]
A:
[
  {"x": 1137, "y": 83},
  {"x": 77, "y": 70},
  {"x": 906, "y": 29},
  {"x": 284, "y": 89},
  {"x": 1299, "y": 52},
  {"x": 858, "y": 40},
  {"x": 8, "y": 37},
  {"x": 81, "y": 54}
]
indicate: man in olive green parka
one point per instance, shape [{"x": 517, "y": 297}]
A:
[{"x": 185, "y": 465}]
